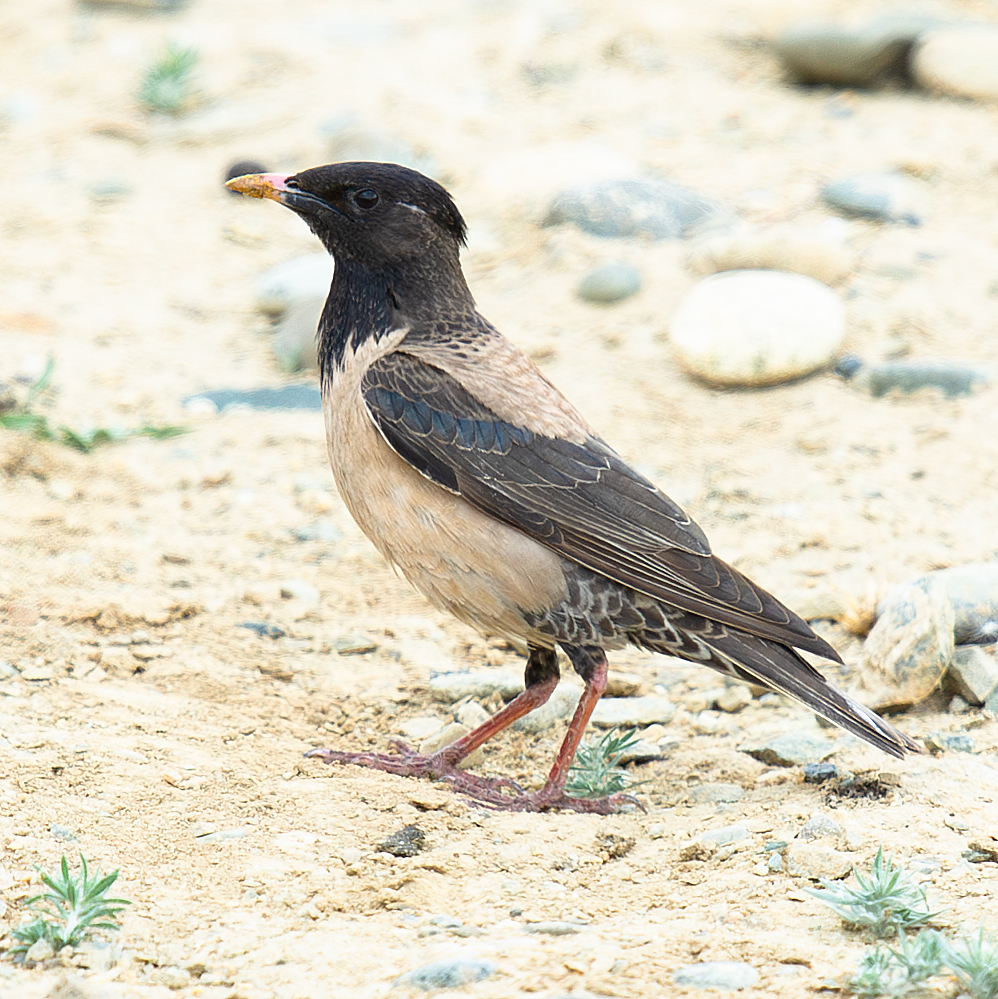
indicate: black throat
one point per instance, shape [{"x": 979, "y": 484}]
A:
[{"x": 367, "y": 303}]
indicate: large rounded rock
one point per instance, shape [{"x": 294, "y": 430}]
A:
[
  {"x": 961, "y": 61},
  {"x": 757, "y": 327}
]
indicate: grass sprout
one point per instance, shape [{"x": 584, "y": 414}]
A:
[
  {"x": 74, "y": 906},
  {"x": 166, "y": 86},
  {"x": 897, "y": 971},
  {"x": 25, "y": 420},
  {"x": 974, "y": 961},
  {"x": 594, "y": 772},
  {"x": 886, "y": 902}
]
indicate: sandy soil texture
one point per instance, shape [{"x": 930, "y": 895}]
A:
[{"x": 137, "y": 718}]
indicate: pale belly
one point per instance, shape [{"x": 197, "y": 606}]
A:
[{"x": 465, "y": 562}]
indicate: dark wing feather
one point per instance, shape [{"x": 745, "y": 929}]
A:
[{"x": 581, "y": 500}]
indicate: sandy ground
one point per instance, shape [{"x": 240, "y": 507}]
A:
[{"x": 137, "y": 750}]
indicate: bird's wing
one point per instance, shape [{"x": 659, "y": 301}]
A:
[{"x": 581, "y": 500}]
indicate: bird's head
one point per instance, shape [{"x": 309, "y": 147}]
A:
[{"x": 377, "y": 214}]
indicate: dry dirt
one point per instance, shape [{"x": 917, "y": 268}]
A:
[{"x": 817, "y": 491}]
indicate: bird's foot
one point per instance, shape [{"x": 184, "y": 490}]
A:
[
  {"x": 548, "y": 799},
  {"x": 406, "y": 762}
]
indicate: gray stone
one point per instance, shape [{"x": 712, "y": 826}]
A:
[
  {"x": 716, "y": 792},
  {"x": 883, "y": 197},
  {"x": 814, "y": 861},
  {"x": 720, "y": 976},
  {"x": 820, "y": 52},
  {"x": 616, "y": 209},
  {"x": 560, "y": 705},
  {"x": 974, "y": 673},
  {"x": 959, "y": 60},
  {"x": 775, "y": 863},
  {"x": 820, "y": 826},
  {"x": 294, "y": 343},
  {"x": 790, "y": 750},
  {"x": 553, "y": 927},
  {"x": 354, "y": 645},
  {"x": 472, "y": 714},
  {"x": 444, "y": 737},
  {"x": 287, "y": 397},
  {"x": 40, "y": 950},
  {"x": 447, "y": 974},
  {"x": 952, "y": 378},
  {"x": 725, "y": 835},
  {"x": 62, "y": 833},
  {"x": 734, "y": 698},
  {"x": 609, "y": 283},
  {"x": 972, "y": 591},
  {"x": 450, "y": 687},
  {"x": 648, "y": 710},
  {"x": 909, "y": 649},
  {"x": 818, "y": 773},
  {"x": 644, "y": 752},
  {"x": 106, "y": 192},
  {"x": 299, "y": 279},
  {"x": 757, "y": 327},
  {"x": 937, "y": 743}
]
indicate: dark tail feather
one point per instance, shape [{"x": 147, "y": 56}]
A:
[{"x": 759, "y": 660}]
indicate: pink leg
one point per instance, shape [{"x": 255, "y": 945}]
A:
[{"x": 541, "y": 678}]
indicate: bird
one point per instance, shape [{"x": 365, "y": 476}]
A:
[{"x": 491, "y": 494}]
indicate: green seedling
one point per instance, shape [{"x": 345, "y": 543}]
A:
[
  {"x": 897, "y": 971},
  {"x": 25, "y": 420},
  {"x": 885, "y": 902},
  {"x": 167, "y": 86},
  {"x": 73, "y": 908},
  {"x": 594, "y": 772},
  {"x": 974, "y": 961}
]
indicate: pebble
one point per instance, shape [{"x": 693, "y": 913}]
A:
[
  {"x": 420, "y": 727},
  {"x": 354, "y": 645},
  {"x": 938, "y": 743},
  {"x": 790, "y": 750},
  {"x": 472, "y": 714},
  {"x": 820, "y": 826},
  {"x": 405, "y": 842},
  {"x": 649, "y": 710},
  {"x": 776, "y": 248},
  {"x": 818, "y": 773},
  {"x": 299, "y": 279},
  {"x": 725, "y": 835},
  {"x": 240, "y": 832},
  {"x": 621, "y": 684},
  {"x": 560, "y": 705},
  {"x": 287, "y": 397},
  {"x": 958, "y": 60},
  {"x": 350, "y": 855},
  {"x": 951, "y": 377},
  {"x": 644, "y": 751},
  {"x": 909, "y": 649},
  {"x": 617, "y": 209},
  {"x": 444, "y": 737},
  {"x": 822, "y": 52},
  {"x": 716, "y": 792},
  {"x": 40, "y": 950},
  {"x": 881, "y": 196},
  {"x": 974, "y": 673},
  {"x": 294, "y": 344},
  {"x": 972, "y": 591},
  {"x": 717, "y": 975},
  {"x": 811, "y": 860},
  {"x": 172, "y": 977},
  {"x": 447, "y": 974},
  {"x": 553, "y": 928},
  {"x": 62, "y": 833},
  {"x": 450, "y": 687},
  {"x": 757, "y": 327},
  {"x": 609, "y": 283},
  {"x": 734, "y": 698}
]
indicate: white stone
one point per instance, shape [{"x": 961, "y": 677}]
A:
[
  {"x": 961, "y": 61},
  {"x": 633, "y": 711},
  {"x": 757, "y": 327}
]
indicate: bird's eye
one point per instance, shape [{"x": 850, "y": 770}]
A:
[
  {"x": 291, "y": 182},
  {"x": 366, "y": 199}
]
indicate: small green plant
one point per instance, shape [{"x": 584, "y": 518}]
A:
[
  {"x": 74, "y": 906},
  {"x": 885, "y": 903},
  {"x": 974, "y": 961},
  {"x": 25, "y": 420},
  {"x": 594, "y": 772},
  {"x": 897, "y": 971},
  {"x": 166, "y": 86}
]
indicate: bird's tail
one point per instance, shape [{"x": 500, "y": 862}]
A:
[{"x": 761, "y": 661}]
